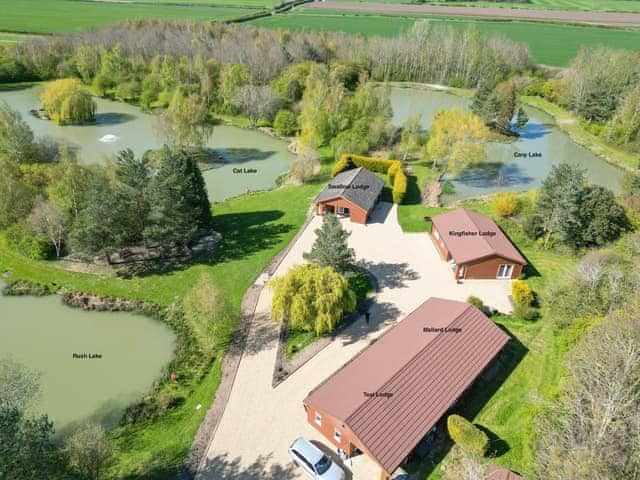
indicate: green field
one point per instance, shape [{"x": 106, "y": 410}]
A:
[
  {"x": 55, "y": 16},
  {"x": 550, "y": 44},
  {"x": 586, "y": 5}
]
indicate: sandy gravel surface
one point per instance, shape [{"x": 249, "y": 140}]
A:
[{"x": 594, "y": 18}]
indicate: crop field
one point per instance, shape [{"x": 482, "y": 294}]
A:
[
  {"x": 543, "y": 39},
  {"x": 584, "y": 5},
  {"x": 55, "y": 16}
]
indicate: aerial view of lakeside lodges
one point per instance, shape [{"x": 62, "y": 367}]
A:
[{"x": 390, "y": 403}]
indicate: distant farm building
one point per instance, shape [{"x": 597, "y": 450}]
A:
[
  {"x": 353, "y": 194},
  {"x": 392, "y": 394},
  {"x": 475, "y": 247}
]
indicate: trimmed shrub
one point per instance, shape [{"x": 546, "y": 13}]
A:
[
  {"x": 399, "y": 187},
  {"x": 505, "y": 204},
  {"x": 521, "y": 293},
  {"x": 392, "y": 168},
  {"x": 476, "y": 302},
  {"x": 467, "y": 435}
]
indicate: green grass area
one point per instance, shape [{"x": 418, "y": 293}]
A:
[
  {"x": 216, "y": 3},
  {"x": 55, "y": 16},
  {"x": 570, "y": 123},
  {"x": 7, "y": 38},
  {"x": 550, "y": 44}
]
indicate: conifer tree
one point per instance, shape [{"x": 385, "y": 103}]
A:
[{"x": 330, "y": 248}]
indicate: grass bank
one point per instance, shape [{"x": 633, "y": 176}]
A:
[
  {"x": 254, "y": 228},
  {"x": 542, "y": 39},
  {"x": 570, "y": 123}
]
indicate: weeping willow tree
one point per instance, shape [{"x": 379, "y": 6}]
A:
[
  {"x": 67, "y": 101},
  {"x": 311, "y": 298}
]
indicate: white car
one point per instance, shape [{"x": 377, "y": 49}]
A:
[{"x": 315, "y": 463}]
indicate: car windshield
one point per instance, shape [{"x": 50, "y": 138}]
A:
[{"x": 323, "y": 465}]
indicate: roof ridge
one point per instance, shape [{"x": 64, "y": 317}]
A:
[
  {"x": 410, "y": 361},
  {"x": 486, "y": 240}
]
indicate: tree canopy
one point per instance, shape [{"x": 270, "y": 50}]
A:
[
  {"x": 67, "y": 101},
  {"x": 311, "y": 298},
  {"x": 330, "y": 248},
  {"x": 457, "y": 139}
]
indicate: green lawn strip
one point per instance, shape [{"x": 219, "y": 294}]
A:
[
  {"x": 570, "y": 123},
  {"x": 542, "y": 38},
  {"x": 215, "y": 3},
  {"x": 57, "y": 16},
  {"x": 155, "y": 449}
]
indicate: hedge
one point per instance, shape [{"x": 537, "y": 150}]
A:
[
  {"x": 467, "y": 435},
  {"x": 392, "y": 168}
]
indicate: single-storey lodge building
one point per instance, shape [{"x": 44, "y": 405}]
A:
[
  {"x": 353, "y": 193},
  {"x": 393, "y": 393},
  {"x": 475, "y": 246}
]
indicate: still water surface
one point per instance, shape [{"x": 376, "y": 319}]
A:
[
  {"x": 520, "y": 165},
  {"x": 43, "y": 333},
  {"x": 120, "y": 125}
]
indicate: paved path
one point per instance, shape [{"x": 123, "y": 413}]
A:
[
  {"x": 260, "y": 422},
  {"x": 563, "y": 16}
]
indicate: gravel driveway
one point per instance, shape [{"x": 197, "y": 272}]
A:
[{"x": 260, "y": 422}]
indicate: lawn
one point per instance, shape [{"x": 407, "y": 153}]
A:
[
  {"x": 57, "y": 16},
  {"x": 254, "y": 228},
  {"x": 543, "y": 39}
]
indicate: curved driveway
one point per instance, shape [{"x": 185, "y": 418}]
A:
[{"x": 260, "y": 422}]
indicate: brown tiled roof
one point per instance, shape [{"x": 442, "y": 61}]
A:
[
  {"x": 425, "y": 371},
  {"x": 467, "y": 248},
  {"x": 497, "y": 473}
]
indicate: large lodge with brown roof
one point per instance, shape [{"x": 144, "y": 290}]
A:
[
  {"x": 475, "y": 247},
  {"x": 390, "y": 395}
]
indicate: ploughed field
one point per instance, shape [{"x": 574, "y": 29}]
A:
[{"x": 584, "y": 5}]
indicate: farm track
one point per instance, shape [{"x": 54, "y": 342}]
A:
[{"x": 562, "y": 16}]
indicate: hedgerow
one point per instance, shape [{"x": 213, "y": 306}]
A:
[{"x": 392, "y": 168}]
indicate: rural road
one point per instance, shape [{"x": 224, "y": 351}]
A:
[{"x": 592, "y": 18}]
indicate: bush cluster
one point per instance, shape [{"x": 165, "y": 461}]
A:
[
  {"x": 467, "y": 435},
  {"x": 523, "y": 298},
  {"x": 476, "y": 302},
  {"x": 392, "y": 168},
  {"x": 505, "y": 204}
]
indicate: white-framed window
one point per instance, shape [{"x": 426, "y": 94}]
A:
[
  {"x": 461, "y": 272},
  {"x": 318, "y": 419},
  {"x": 436, "y": 234},
  {"x": 505, "y": 271},
  {"x": 337, "y": 435}
]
